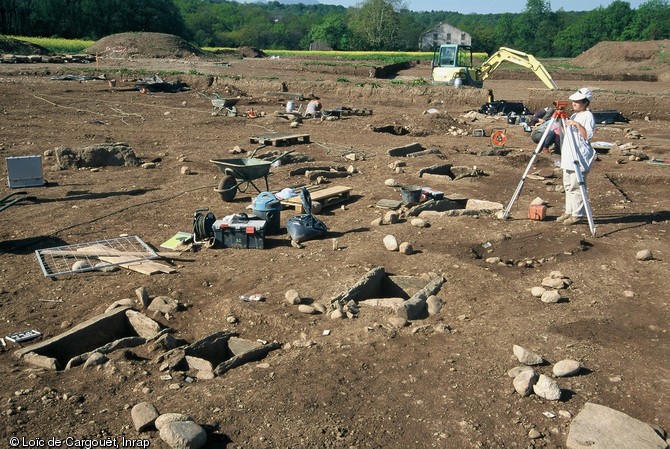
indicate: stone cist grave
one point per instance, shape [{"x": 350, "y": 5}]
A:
[
  {"x": 406, "y": 294},
  {"x": 87, "y": 343},
  {"x": 119, "y": 328}
]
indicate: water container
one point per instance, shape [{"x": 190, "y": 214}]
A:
[
  {"x": 410, "y": 194},
  {"x": 268, "y": 207},
  {"x": 458, "y": 83},
  {"x": 290, "y": 106}
]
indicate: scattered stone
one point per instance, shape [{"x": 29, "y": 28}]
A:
[
  {"x": 205, "y": 375},
  {"x": 600, "y": 427},
  {"x": 538, "y": 202},
  {"x": 391, "y": 217},
  {"x": 547, "y": 388},
  {"x": 391, "y": 183},
  {"x": 185, "y": 170},
  {"x": 398, "y": 322},
  {"x": 336, "y": 314},
  {"x": 149, "y": 165},
  {"x": 418, "y": 223},
  {"x": 537, "y": 292},
  {"x": 231, "y": 319},
  {"x": 565, "y": 414},
  {"x": 556, "y": 275},
  {"x": 524, "y": 381},
  {"x": 550, "y": 297},
  {"x": 306, "y": 309},
  {"x": 126, "y": 302},
  {"x": 391, "y": 243},
  {"x": 183, "y": 435},
  {"x": 406, "y": 248},
  {"x": 534, "y": 434},
  {"x": 144, "y": 326},
  {"x": 293, "y": 297},
  {"x": 163, "y": 304},
  {"x": 165, "y": 342},
  {"x": 566, "y": 368},
  {"x": 484, "y": 206},
  {"x": 377, "y": 222},
  {"x": 493, "y": 260},
  {"x": 106, "y": 267},
  {"x": 442, "y": 328},
  {"x": 629, "y": 294},
  {"x": 527, "y": 357},
  {"x": 319, "y": 307},
  {"x": 167, "y": 418},
  {"x": 143, "y": 415},
  {"x": 80, "y": 265},
  {"x": 434, "y": 304},
  {"x": 95, "y": 359},
  {"x": 143, "y": 296},
  {"x": 644, "y": 255},
  {"x": 518, "y": 370},
  {"x": 553, "y": 283}
]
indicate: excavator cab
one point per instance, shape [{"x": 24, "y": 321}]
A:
[{"x": 452, "y": 62}]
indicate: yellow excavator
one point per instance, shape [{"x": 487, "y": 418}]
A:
[{"x": 452, "y": 64}]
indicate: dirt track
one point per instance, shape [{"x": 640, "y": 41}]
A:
[{"x": 367, "y": 384}]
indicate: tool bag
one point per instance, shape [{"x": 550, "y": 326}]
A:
[{"x": 305, "y": 227}]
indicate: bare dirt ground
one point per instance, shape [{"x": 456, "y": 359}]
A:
[{"x": 367, "y": 384}]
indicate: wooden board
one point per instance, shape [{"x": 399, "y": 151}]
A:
[
  {"x": 280, "y": 139},
  {"x": 325, "y": 196},
  {"x": 144, "y": 266}
]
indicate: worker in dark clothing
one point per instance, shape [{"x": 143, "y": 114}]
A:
[{"x": 539, "y": 122}]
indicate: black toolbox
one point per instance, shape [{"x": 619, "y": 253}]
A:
[{"x": 240, "y": 231}]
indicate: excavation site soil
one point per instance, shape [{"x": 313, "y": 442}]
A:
[{"x": 368, "y": 379}]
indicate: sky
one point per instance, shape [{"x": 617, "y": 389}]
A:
[{"x": 490, "y": 7}]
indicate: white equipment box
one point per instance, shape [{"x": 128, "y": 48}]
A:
[{"x": 24, "y": 171}]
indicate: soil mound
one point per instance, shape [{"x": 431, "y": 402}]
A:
[
  {"x": 144, "y": 45},
  {"x": 644, "y": 55},
  {"x": 11, "y": 46},
  {"x": 251, "y": 52}
]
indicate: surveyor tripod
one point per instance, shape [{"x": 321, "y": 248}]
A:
[{"x": 569, "y": 139}]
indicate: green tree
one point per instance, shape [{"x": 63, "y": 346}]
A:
[
  {"x": 651, "y": 21},
  {"x": 375, "y": 25},
  {"x": 332, "y": 30}
]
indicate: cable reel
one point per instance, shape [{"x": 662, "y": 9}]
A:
[
  {"x": 498, "y": 138},
  {"x": 202, "y": 225}
]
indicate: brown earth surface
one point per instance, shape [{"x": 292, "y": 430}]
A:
[{"x": 367, "y": 384}]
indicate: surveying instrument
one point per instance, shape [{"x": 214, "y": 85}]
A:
[{"x": 568, "y": 143}]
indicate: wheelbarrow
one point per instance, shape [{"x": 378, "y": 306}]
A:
[
  {"x": 220, "y": 104},
  {"x": 241, "y": 173}
]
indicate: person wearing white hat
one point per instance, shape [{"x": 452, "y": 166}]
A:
[{"x": 583, "y": 124}]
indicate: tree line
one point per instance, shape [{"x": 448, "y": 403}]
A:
[{"x": 372, "y": 25}]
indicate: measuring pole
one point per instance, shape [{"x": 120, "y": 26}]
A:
[
  {"x": 555, "y": 116},
  {"x": 570, "y": 133}
]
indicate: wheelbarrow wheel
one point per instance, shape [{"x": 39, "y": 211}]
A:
[{"x": 227, "y": 188}]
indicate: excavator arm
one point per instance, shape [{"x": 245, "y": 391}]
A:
[{"x": 517, "y": 57}]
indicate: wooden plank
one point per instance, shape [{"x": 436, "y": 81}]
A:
[
  {"x": 142, "y": 266},
  {"x": 325, "y": 196},
  {"x": 279, "y": 139}
]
